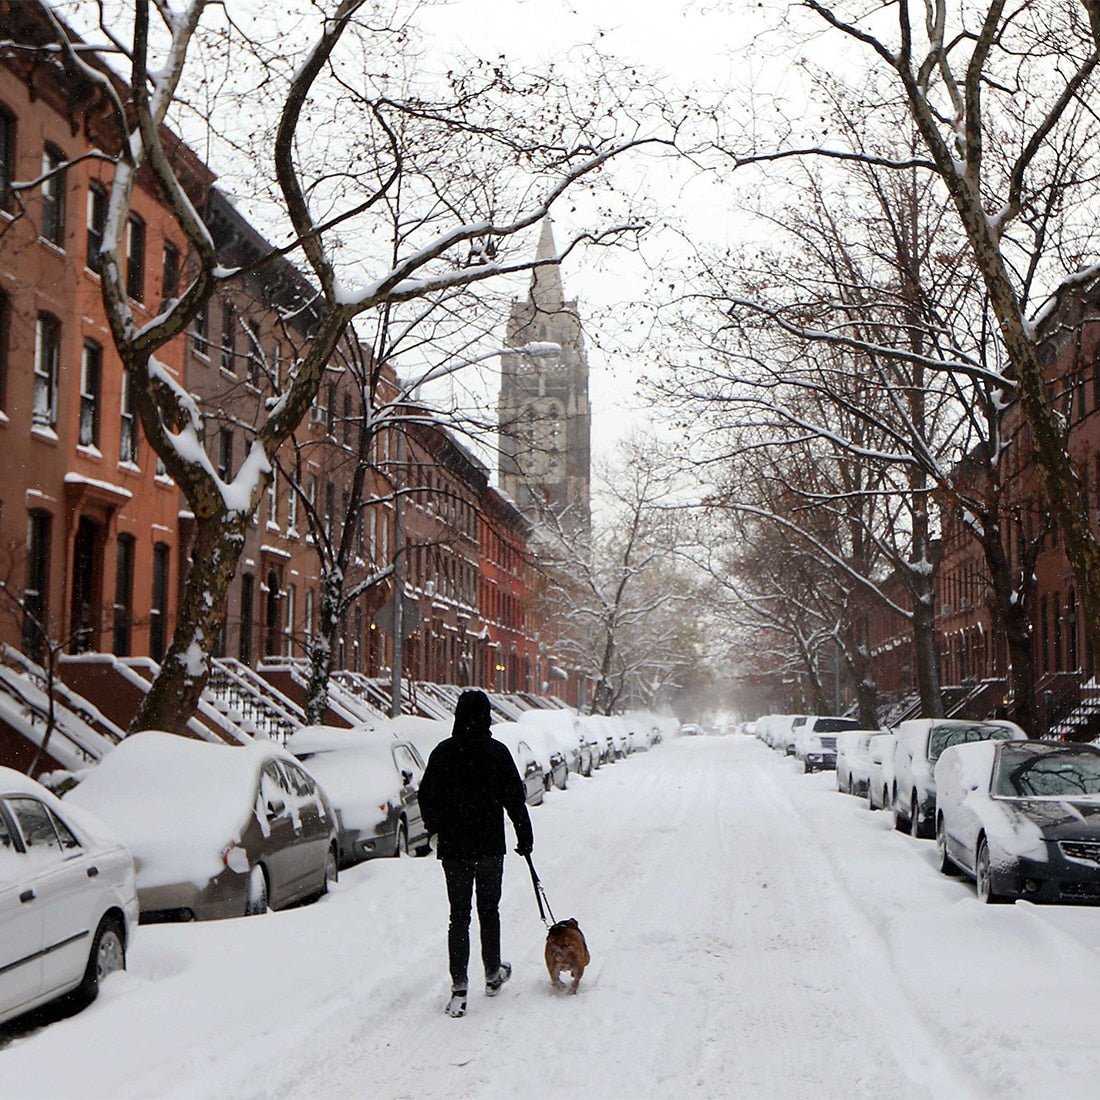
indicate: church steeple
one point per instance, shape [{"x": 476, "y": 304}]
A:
[{"x": 547, "y": 294}]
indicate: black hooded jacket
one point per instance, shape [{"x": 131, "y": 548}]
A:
[{"x": 469, "y": 782}]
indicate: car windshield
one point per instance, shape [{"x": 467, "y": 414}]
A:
[
  {"x": 835, "y": 725},
  {"x": 943, "y": 737},
  {"x": 1054, "y": 775}
]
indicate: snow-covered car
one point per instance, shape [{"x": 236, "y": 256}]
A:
[
  {"x": 815, "y": 741},
  {"x": 1021, "y": 818},
  {"x": 788, "y": 740},
  {"x": 424, "y": 733},
  {"x": 527, "y": 762},
  {"x": 68, "y": 905},
  {"x": 216, "y": 830},
  {"x": 853, "y": 761},
  {"x": 564, "y": 728},
  {"x": 880, "y": 770},
  {"x": 690, "y": 729},
  {"x": 371, "y": 778},
  {"x": 920, "y": 743},
  {"x": 590, "y": 729}
]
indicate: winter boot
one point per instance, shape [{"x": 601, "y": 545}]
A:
[
  {"x": 456, "y": 1006},
  {"x": 493, "y": 983}
]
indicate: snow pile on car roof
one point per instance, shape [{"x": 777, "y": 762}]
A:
[{"x": 174, "y": 801}]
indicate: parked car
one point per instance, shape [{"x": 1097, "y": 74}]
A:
[
  {"x": 555, "y": 770},
  {"x": 880, "y": 778},
  {"x": 216, "y": 830},
  {"x": 815, "y": 741},
  {"x": 527, "y": 762},
  {"x": 853, "y": 761},
  {"x": 690, "y": 729},
  {"x": 565, "y": 730},
  {"x": 1021, "y": 818},
  {"x": 68, "y": 905},
  {"x": 919, "y": 745},
  {"x": 787, "y": 736},
  {"x": 371, "y": 777}
]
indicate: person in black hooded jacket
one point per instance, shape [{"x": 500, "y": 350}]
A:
[{"x": 470, "y": 781}]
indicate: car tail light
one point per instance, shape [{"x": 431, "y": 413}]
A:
[{"x": 235, "y": 858}]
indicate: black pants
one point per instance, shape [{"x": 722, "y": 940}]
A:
[{"x": 462, "y": 875}]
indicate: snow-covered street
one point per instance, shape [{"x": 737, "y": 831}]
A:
[{"x": 753, "y": 934}]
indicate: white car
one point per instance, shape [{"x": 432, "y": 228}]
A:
[
  {"x": 880, "y": 778},
  {"x": 68, "y": 905},
  {"x": 853, "y": 761},
  {"x": 919, "y": 745},
  {"x": 815, "y": 741}
]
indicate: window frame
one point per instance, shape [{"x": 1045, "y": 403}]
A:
[
  {"x": 51, "y": 228},
  {"x": 47, "y": 356},
  {"x": 135, "y": 257},
  {"x": 91, "y": 381}
]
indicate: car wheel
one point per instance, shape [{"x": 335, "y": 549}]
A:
[
  {"x": 870, "y": 798},
  {"x": 945, "y": 863},
  {"x": 900, "y": 822},
  {"x": 401, "y": 848},
  {"x": 851, "y": 786},
  {"x": 108, "y": 955},
  {"x": 983, "y": 874},
  {"x": 258, "y": 896},
  {"x": 916, "y": 830},
  {"x": 332, "y": 873}
]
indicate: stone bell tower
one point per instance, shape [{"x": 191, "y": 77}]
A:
[{"x": 545, "y": 424}]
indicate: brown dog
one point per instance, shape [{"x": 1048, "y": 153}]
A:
[{"x": 566, "y": 950}]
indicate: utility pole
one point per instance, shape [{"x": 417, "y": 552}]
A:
[{"x": 398, "y": 578}]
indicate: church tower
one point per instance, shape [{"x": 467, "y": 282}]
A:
[{"x": 545, "y": 424}]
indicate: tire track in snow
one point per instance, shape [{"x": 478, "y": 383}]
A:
[{"x": 915, "y": 1044}]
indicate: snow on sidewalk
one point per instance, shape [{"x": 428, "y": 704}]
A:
[{"x": 753, "y": 934}]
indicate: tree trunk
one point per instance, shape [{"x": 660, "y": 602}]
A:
[
  {"x": 1012, "y": 606},
  {"x": 926, "y": 653},
  {"x": 321, "y": 650},
  {"x": 174, "y": 695}
]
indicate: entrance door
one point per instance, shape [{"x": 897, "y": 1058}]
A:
[{"x": 84, "y": 609}]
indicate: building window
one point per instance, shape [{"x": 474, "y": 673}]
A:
[
  {"x": 229, "y": 337},
  {"x": 307, "y": 622},
  {"x": 292, "y": 508},
  {"x": 225, "y": 454},
  {"x": 124, "y": 594},
  {"x": 347, "y": 419},
  {"x": 330, "y": 411},
  {"x": 158, "y": 610},
  {"x": 200, "y": 336},
  {"x": 128, "y": 427},
  {"x": 271, "y": 646},
  {"x": 91, "y": 370},
  {"x": 36, "y": 592},
  {"x": 273, "y": 498},
  {"x": 53, "y": 196},
  {"x": 7, "y": 156},
  {"x": 96, "y": 219},
  {"x": 288, "y": 643},
  {"x": 330, "y": 507},
  {"x": 170, "y": 272},
  {"x": 47, "y": 350},
  {"x": 135, "y": 258},
  {"x": 248, "y": 599},
  {"x": 252, "y": 369}
]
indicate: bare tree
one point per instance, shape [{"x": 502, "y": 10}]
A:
[{"x": 473, "y": 186}]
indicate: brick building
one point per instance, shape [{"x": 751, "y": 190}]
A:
[{"x": 94, "y": 538}]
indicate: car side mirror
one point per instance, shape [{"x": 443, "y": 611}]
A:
[{"x": 275, "y": 806}]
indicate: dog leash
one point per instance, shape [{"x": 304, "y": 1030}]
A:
[{"x": 540, "y": 895}]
